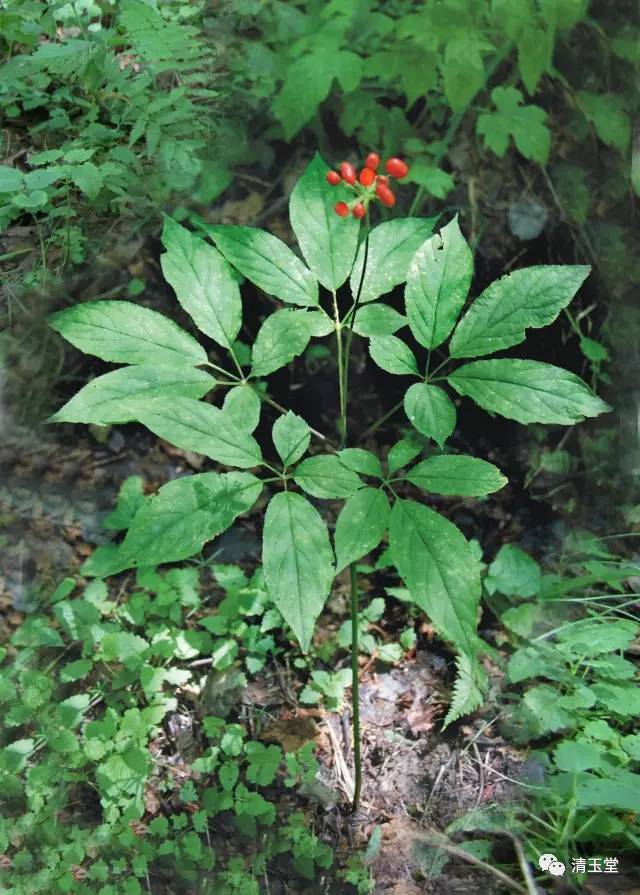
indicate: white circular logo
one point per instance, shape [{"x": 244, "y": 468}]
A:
[{"x": 545, "y": 860}]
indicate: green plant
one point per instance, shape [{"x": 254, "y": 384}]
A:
[
  {"x": 120, "y": 755},
  {"x": 112, "y": 108},
  {"x": 163, "y": 381}
]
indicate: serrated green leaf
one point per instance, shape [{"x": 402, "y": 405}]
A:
[
  {"x": 431, "y": 411},
  {"x": 242, "y": 406},
  {"x": 405, "y": 450},
  {"x": 606, "y": 112},
  {"x": 435, "y": 561},
  {"x": 572, "y": 755},
  {"x": 11, "y": 179},
  {"x": 514, "y": 573},
  {"x": 88, "y": 178},
  {"x": 266, "y": 261},
  {"x": 298, "y": 562},
  {"x": 392, "y": 245},
  {"x": 130, "y": 499},
  {"x": 378, "y": 320},
  {"x": 327, "y": 241},
  {"x": 291, "y": 437},
  {"x": 535, "y": 47},
  {"x": 196, "y": 426},
  {"x": 437, "y": 182},
  {"x": 360, "y": 526},
  {"x": 185, "y": 514},
  {"x": 462, "y": 69},
  {"x": 105, "y": 399},
  {"x": 527, "y": 391},
  {"x": 203, "y": 282},
  {"x": 457, "y": 474},
  {"x": 283, "y": 336},
  {"x": 325, "y": 476},
  {"x": 362, "y": 461},
  {"x": 528, "y": 298},
  {"x": 438, "y": 282},
  {"x": 393, "y": 355},
  {"x": 125, "y": 333},
  {"x": 468, "y": 688}
]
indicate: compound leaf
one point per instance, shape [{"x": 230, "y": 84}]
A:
[
  {"x": 392, "y": 245},
  {"x": 266, "y": 261},
  {"x": 438, "y": 282},
  {"x": 104, "y": 400},
  {"x": 457, "y": 474},
  {"x": 298, "y": 562},
  {"x": 125, "y": 333},
  {"x": 327, "y": 242},
  {"x": 431, "y": 411},
  {"x": 361, "y": 525},
  {"x": 435, "y": 561},
  {"x": 531, "y": 297},
  {"x": 527, "y": 391},
  {"x": 203, "y": 282}
]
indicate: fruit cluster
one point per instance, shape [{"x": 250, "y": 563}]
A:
[{"x": 367, "y": 185}]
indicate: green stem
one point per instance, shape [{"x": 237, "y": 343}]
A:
[
  {"x": 349, "y": 321},
  {"x": 343, "y": 406},
  {"x": 355, "y": 689},
  {"x": 379, "y": 422}
]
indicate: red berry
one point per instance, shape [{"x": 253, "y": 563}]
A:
[
  {"x": 359, "y": 211},
  {"x": 348, "y": 172},
  {"x": 372, "y": 161},
  {"x": 342, "y": 209},
  {"x": 333, "y": 178},
  {"x": 396, "y": 167},
  {"x": 366, "y": 177},
  {"x": 380, "y": 178},
  {"x": 385, "y": 195}
]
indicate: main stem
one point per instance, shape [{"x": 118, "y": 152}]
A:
[{"x": 343, "y": 379}]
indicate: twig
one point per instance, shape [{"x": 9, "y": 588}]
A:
[{"x": 476, "y": 752}]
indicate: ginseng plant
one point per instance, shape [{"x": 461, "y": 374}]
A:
[{"x": 168, "y": 377}]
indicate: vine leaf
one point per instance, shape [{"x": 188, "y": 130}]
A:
[{"x": 298, "y": 562}]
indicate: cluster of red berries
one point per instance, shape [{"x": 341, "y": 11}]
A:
[{"x": 367, "y": 185}]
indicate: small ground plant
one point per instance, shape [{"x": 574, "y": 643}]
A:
[{"x": 167, "y": 373}]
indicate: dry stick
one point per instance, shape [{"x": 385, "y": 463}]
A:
[{"x": 442, "y": 842}]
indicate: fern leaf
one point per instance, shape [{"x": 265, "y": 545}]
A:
[{"x": 468, "y": 689}]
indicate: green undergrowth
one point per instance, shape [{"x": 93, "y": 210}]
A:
[
  {"x": 130, "y": 762},
  {"x": 571, "y": 698}
]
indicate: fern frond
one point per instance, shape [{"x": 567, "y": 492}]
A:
[{"x": 468, "y": 689}]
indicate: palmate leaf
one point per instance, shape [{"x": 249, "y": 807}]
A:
[
  {"x": 392, "y": 245},
  {"x": 203, "y": 282},
  {"x": 298, "y": 562},
  {"x": 527, "y": 391},
  {"x": 185, "y": 514},
  {"x": 528, "y": 298},
  {"x": 435, "y": 561},
  {"x": 104, "y": 400},
  {"x": 327, "y": 242},
  {"x": 266, "y": 261},
  {"x": 437, "y": 285},
  {"x": 125, "y": 333},
  {"x": 196, "y": 426}
]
